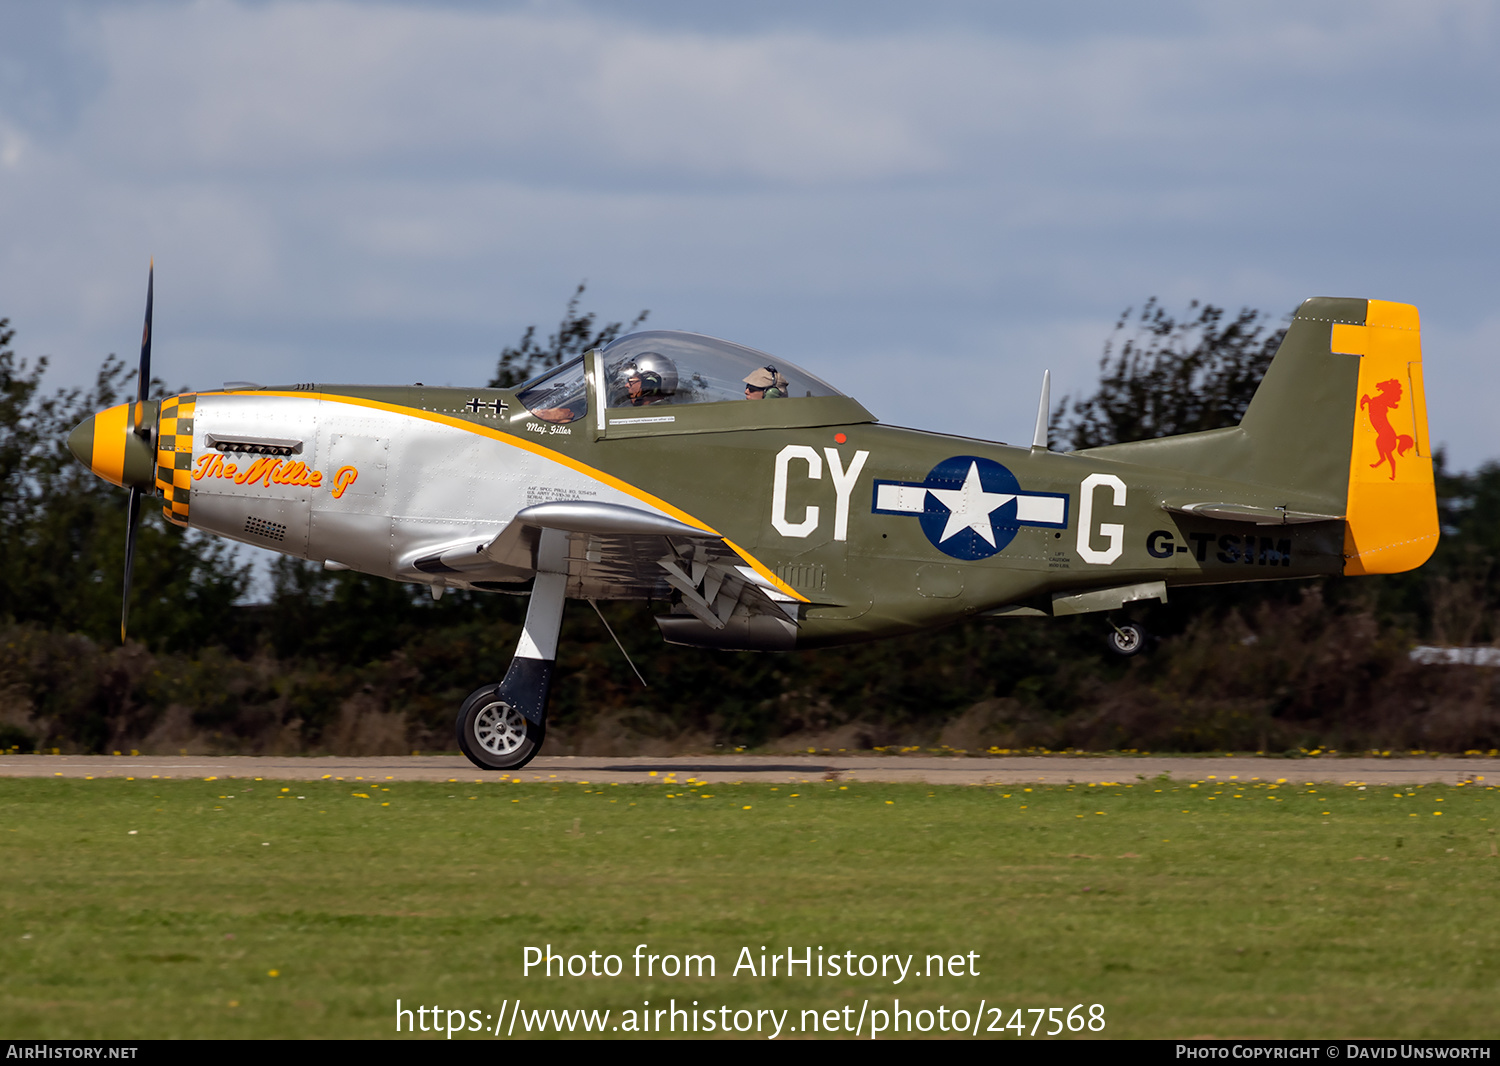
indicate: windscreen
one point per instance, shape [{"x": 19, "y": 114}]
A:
[
  {"x": 559, "y": 395},
  {"x": 667, "y": 367}
]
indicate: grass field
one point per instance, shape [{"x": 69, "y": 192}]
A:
[{"x": 247, "y": 908}]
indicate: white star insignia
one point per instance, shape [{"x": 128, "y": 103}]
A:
[{"x": 969, "y": 507}]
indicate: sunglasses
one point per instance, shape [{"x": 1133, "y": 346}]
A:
[{"x": 755, "y": 388}]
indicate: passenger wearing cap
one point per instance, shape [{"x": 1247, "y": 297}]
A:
[{"x": 765, "y": 383}]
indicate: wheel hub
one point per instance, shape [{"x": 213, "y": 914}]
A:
[{"x": 499, "y": 728}]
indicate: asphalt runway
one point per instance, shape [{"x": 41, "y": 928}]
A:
[{"x": 773, "y": 769}]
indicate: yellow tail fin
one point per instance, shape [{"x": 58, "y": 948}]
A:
[{"x": 1391, "y": 522}]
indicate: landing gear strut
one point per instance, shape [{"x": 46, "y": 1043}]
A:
[
  {"x": 501, "y": 727},
  {"x": 1126, "y": 639}
]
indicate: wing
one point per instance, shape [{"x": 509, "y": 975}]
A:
[{"x": 625, "y": 553}]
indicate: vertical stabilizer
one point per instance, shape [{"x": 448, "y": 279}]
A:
[{"x": 1338, "y": 425}]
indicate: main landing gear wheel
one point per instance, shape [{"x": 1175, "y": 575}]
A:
[
  {"x": 494, "y": 734},
  {"x": 1126, "y": 639}
]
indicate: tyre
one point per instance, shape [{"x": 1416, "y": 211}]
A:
[
  {"x": 1128, "y": 638},
  {"x": 493, "y": 734}
]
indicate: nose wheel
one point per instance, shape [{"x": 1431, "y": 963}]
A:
[{"x": 1126, "y": 639}]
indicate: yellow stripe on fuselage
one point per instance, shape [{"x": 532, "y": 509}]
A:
[{"x": 536, "y": 449}]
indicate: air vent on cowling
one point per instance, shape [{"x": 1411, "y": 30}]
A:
[
  {"x": 259, "y": 527},
  {"x": 253, "y": 445}
]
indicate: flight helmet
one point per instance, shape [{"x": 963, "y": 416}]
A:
[{"x": 658, "y": 374}]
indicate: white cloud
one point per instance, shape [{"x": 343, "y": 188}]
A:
[
  {"x": 577, "y": 97},
  {"x": 277, "y": 87},
  {"x": 334, "y": 190}
]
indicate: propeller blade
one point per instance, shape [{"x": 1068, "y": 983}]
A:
[
  {"x": 143, "y": 380},
  {"x": 142, "y": 387},
  {"x": 131, "y": 519}
]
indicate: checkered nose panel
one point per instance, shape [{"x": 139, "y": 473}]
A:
[{"x": 174, "y": 455}]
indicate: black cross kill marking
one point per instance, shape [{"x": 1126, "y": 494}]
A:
[{"x": 493, "y": 406}]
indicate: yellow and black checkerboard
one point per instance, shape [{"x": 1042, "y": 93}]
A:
[{"x": 174, "y": 455}]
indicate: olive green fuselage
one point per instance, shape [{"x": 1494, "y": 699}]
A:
[{"x": 796, "y": 484}]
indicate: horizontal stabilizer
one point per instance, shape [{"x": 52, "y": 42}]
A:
[{"x": 1246, "y": 512}]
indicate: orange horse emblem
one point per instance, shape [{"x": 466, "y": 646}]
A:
[{"x": 1388, "y": 442}]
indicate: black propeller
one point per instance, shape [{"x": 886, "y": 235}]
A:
[{"x": 141, "y": 429}]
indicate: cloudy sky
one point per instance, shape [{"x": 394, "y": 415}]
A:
[{"x": 925, "y": 204}]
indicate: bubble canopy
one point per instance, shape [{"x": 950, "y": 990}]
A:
[{"x": 668, "y": 367}]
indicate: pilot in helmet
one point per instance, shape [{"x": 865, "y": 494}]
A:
[
  {"x": 765, "y": 383},
  {"x": 650, "y": 378}
]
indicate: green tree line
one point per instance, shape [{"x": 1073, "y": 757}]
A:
[{"x": 350, "y": 663}]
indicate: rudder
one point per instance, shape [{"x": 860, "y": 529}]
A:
[{"x": 1391, "y": 514}]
